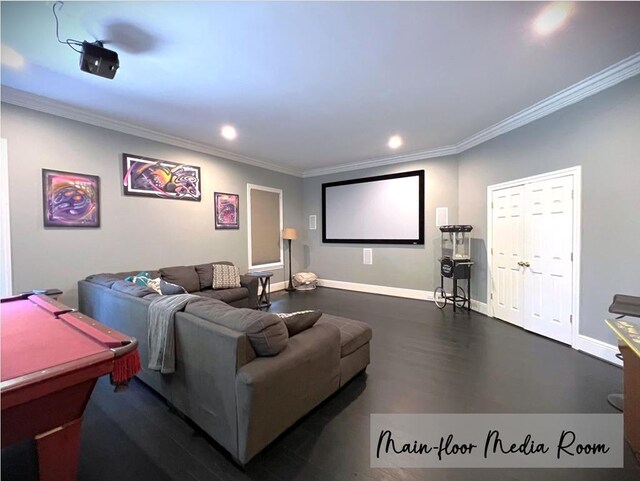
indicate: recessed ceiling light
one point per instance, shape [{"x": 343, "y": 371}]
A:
[
  {"x": 10, "y": 57},
  {"x": 395, "y": 141},
  {"x": 228, "y": 132},
  {"x": 552, "y": 17}
]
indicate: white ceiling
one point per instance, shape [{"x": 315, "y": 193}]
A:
[{"x": 315, "y": 85}]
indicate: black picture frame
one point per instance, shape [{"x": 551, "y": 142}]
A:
[
  {"x": 162, "y": 179},
  {"x": 70, "y": 199},
  {"x": 416, "y": 241}
]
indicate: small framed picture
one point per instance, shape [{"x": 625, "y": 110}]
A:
[
  {"x": 70, "y": 199},
  {"x": 227, "y": 210}
]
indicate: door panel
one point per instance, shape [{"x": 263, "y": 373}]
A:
[
  {"x": 548, "y": 240},
  {"x": 508, "y": 249}
]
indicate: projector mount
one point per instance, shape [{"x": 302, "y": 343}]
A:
[{"x": 94, "y": 58}]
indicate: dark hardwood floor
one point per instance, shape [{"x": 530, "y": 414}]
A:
[{"x": 423, "y": 360}]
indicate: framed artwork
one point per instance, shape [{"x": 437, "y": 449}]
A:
[
  {"x": 148, "y": 177},
  {"x": 227, "y": 210},
  {"x": 70, "y": 199}
]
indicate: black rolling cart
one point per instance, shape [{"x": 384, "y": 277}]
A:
[{"x": 455, "y": 264}]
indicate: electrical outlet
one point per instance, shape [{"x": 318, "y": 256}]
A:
[
  {"x": 367, "y": 256},
  {"x": 312, "y": 222}
]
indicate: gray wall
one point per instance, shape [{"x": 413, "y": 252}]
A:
[
  {"x": 602, "y": 134},
  {"x": 135, "y": 232},
  {"x": 411, "y": 267}
]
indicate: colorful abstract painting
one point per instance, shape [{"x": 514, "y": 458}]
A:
[
  {"x": 160, "y": 178},
  {"x": 227, "y": 210},
  {"x": 70, "y": 200}
]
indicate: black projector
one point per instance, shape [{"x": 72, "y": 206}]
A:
[{"x": 98, "y": 60}]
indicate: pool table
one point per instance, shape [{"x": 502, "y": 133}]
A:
[{"x": 51, "y": 360}]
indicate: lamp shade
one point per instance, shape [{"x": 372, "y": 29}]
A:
[{"x": 289, "y": 233}]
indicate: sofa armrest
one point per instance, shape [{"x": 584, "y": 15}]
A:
[
  {"x": 274, "y": 392},
  {"x": 251, "y": 283}
]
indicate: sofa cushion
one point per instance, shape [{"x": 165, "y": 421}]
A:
[
  {"x": 106, "y": 280},
  {"x": 225, "y": 295},
  {"x": 185, "y": 276},
  {"x": 267, "y": 333},
  {"x": 131, "y": 289},
  {"x": 299, "y": 321},
  {"x": 205, "y": 275},
  {"x": 225, "y": 277},
  {"x": 353, "y": 334}
]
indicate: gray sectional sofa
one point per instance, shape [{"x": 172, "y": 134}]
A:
[{"x": 239, "y": 375}]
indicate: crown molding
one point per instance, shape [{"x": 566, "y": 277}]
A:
[
  {"x": 602, "y": 80},
  {"x": 397, "y": 159},
  {"x": 60, "y": 109}
]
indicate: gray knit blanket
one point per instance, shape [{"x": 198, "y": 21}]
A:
[{"x": 161, "y": 317}]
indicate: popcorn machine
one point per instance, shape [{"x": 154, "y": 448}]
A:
[{"x": 455, "y": 264}]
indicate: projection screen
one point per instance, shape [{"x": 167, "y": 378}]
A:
[{"x": 387, "y": 209}]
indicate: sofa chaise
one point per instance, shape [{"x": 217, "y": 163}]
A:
[{"x": 239, "y": 375}]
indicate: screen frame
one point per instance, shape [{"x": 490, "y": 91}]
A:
[{"x": 417, "y": 241}]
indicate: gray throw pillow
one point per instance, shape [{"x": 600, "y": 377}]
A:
[
  {"x": 169, "y": 289},
  {"x": 299, "y": 321}
]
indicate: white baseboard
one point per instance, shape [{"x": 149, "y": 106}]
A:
[
  {"x": 375, "y": 289},
  {"x": 480, "y": 307},
  {"x": 477, "y": 306},
  {"x": 597, "y": 348},
  {"x": 278, "y": 286}
]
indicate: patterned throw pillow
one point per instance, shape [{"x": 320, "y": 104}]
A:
[
  {"x": 154, "y": 284},
  {"x": 299, "y": 321},
  {"x": 225, "y": 277}
]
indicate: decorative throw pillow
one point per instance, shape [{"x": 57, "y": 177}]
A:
[
  {"x": 140, "y": 279},
  {"x": 225, "y": 277},
  {"x": 299, "y": 321}
]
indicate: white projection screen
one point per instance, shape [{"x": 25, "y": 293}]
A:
[{"x": 387, "y": 209}]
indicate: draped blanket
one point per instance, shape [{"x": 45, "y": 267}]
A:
[{"x": 161, "y": 317}]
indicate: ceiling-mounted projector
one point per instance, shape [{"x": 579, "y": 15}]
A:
[{"x": 98, "y": 60}]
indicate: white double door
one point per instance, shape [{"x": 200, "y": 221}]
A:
[{"x": 532, "y": 243}]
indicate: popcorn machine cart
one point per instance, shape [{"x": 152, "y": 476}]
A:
[{"x": 455, "y": 264}]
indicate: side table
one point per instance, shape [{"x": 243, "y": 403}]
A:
[{"x": 264, "y": 297}]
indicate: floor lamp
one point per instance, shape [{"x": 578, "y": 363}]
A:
[{"x": 289, "y": 234}]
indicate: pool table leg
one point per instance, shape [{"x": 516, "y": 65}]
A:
[{"x": 58, "y": 452}]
